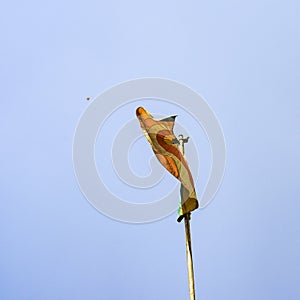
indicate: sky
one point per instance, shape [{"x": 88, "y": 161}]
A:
[{"x": 241, "y": 56}]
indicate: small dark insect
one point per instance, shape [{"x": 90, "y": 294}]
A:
[{"x": 88, "y": 99}]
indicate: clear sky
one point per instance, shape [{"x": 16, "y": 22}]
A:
[{"x": 241, "y": 56}]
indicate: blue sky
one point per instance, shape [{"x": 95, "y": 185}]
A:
[{"x": 241, "y": 56}]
